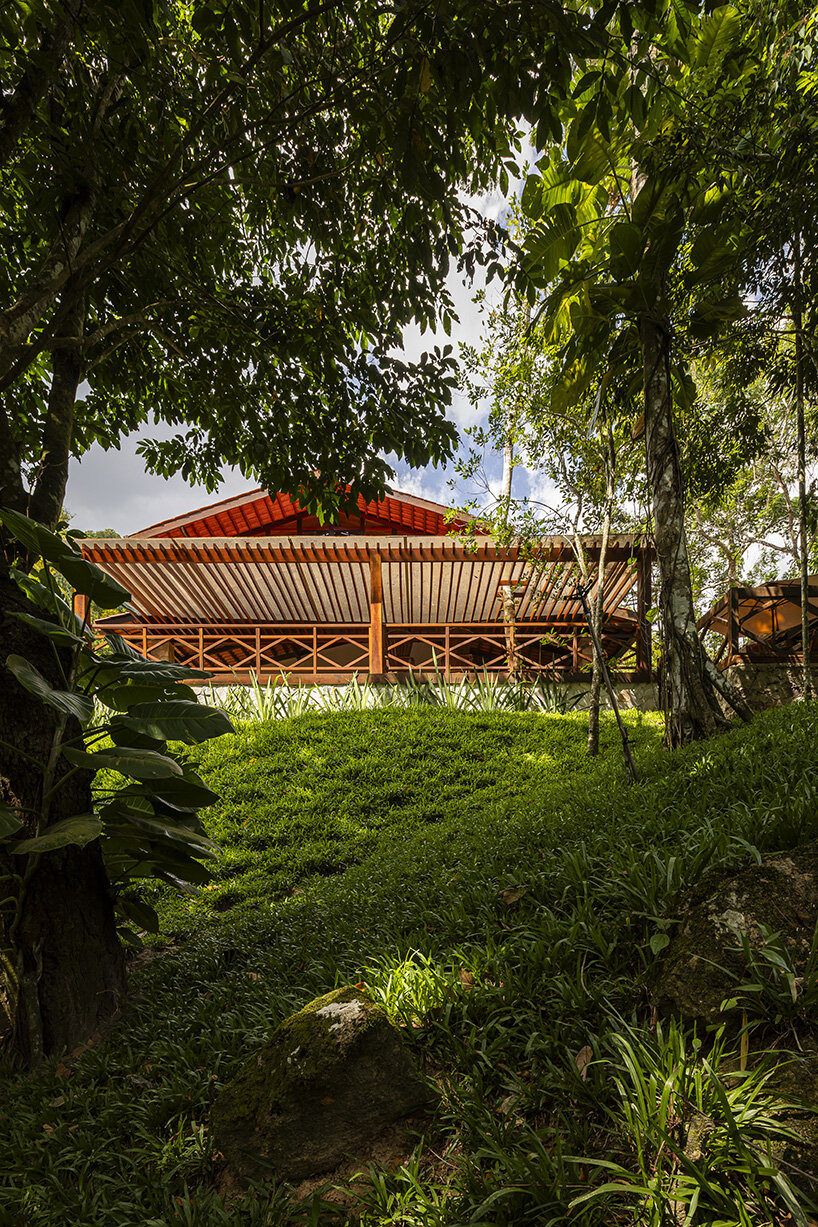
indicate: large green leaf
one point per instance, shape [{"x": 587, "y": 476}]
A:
[
  {"x": 718, "y": 34},
  {"x": 67, "y": 702},
  {"x": 183, "y": 793},
  {"x": 81, "y": 574},
  {"x": 53, "y": 630},
  {"x": 123, "y": 698},
  {"x": 138, "y": 913},
  {"x": 551, "y": 244},
  {"x": 9, "y": 822},
  {"x": 137, "y": 763},
  {"x": 138, "y": 667},
  {"x": 191, "y": 842},
  {"x": 177, "y": 721},
  {"x": 79, "y": 830}
]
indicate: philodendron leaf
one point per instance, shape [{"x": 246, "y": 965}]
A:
[
  {"x": 9, "y": 822},
  {"x": 68, "y": 703},
  {"x": 136, "y": 763},
  {"x": 55, "y": 632},
  {"x": 177, "y": 721},
  {"x": 81, "y": 574},
  {"x": 139, "y": 913},
  {"x": 79, "y": 830}
]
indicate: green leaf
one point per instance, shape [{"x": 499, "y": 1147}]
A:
[
  {"x": 81, "y": 574},
  {"x": 9, "y": 822},
  {"x": 183, "y": 793},
  {"x": 718, "y": 34},
  {"x": 177, "y": 720},
  {"x": 658, "y": 942},
  {"x": 79, "y": 830},
  {"x": 626, "y": 248},
  {"x": 190, "y": 842},
  {"x": 53, "y": 630},
  {"x": 551, "y": 244},
  {"x": 68, "y": 703},
  {"x": 122, "y": 698},
  {"x": 138, "y": 913},
  {"x": 137, "y": 763}
]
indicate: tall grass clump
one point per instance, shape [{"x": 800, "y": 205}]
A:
[{"x": 280, "y": 699}]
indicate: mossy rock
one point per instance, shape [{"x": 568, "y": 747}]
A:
[
  {"x": 328, "y": 1080},
  {"x": 704, "y": 963}
]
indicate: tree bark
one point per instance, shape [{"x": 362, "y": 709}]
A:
[
  {"x": 689, "y": 688},
  {"x": 62, "y": 969},
  {"x": 803, "y": 520},
  {"x": 599, "y": 601},
  {"x": 66, "y": 371}
]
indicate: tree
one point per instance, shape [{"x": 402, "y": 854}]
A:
[
  {"x": 222, "y": 217},
  {"x": 744, "y": 522},
  {"x": 584, "y": 451},
  {"x": 633, "y": 246}
]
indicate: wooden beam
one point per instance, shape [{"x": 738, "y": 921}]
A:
[
  {"x": 377, "y": 637},
  {"x": 82, "y": 607}
]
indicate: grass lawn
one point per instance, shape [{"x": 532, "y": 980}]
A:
[{"x": 500, "y": 894}]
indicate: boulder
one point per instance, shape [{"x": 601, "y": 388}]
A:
[
  {"x": 704, "y": 962},
  {"x": 325, "y": 1084}
]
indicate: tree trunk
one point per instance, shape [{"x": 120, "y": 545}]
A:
[
  {"x": 689, "y": 688},
  {"x": 62, "y": 971},
  {"x": 599, "y": 602},
  {"x": 803, "y": 519}
]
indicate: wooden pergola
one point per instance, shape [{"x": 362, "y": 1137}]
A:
[
  {"x": 761, "y": 624},
  {"x": 233, "y": 589}
]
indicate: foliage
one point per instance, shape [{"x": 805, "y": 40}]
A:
[
  {"x": 278, "y": 699},
  {"x": 512, "y": 933},
  {"x": 146, "y": 800},
  {"x": 222, "y": 217}
]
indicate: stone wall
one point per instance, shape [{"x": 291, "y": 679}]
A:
[
  {"x": 769, "y": 685},
  {"x": 642, "y": 696}
]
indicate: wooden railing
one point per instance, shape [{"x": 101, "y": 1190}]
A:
[{"x": 335, "y": 653}]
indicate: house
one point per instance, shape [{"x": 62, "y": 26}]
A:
[{"x": 255, "y": 585}]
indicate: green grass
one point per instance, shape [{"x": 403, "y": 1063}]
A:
[
  {"x": 493, "y": 888},
  {"x": 312, "y": 796}
]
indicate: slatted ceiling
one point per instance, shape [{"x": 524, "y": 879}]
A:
[{"x": 311, "y": 580}]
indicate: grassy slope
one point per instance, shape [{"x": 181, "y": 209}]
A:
[
  {"x": 444, "y": 812},
  {"x": 312, "y": 796}
]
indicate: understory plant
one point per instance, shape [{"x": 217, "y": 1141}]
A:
[
  {"x": 110, "y": 713},
  {"x": 278, "y": 699}
]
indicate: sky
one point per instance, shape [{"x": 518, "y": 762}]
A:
[{"x": 112, "y": 490}]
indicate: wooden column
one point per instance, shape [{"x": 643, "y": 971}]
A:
[
  {"x": 575, "y": 652},
  {"x": 82, "y": 607},
  {"x": 644, "y": 600},
  {"x": 377, "y": 637}
]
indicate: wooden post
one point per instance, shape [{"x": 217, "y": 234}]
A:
[
  {"x": 82, "y": 607},
  {"x": 377, "y": 639},
  {"x": 732, "y": 624},
  {"x": 644, "y": 598},
  {"x": 315, "y": 651},
  {"x": 447, "y": 655},
  {"x": 575, "y": 653},
  {"x": 258, "y": 653},
  {"x": 201, "y": 648}
]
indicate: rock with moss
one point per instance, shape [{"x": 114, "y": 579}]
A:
[
  {"x": 705, "y": 962},
  {"x": 328, "y": 1080}
]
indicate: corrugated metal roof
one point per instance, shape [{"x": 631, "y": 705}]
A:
[{"x": 437, "y": 579}]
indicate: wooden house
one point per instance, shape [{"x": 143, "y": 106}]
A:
[{"x": 256, "y": 585}]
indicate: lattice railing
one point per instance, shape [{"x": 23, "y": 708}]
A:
[{"x": 336, "y": 653}]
